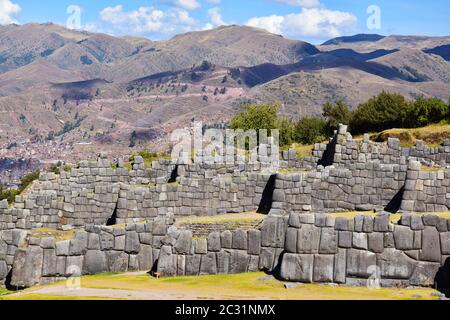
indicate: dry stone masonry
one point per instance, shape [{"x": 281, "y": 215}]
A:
[{"x": 125, "y": 220}]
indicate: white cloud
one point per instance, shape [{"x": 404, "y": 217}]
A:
[
  {"x": 310, "y": 22},
  {"x": 214, "y": 1},
  {"x": 144, "y": 20},
  {"x": 216, "y": 17},
  {"x": 185, "y": 4},
  {"x": 301, "y": 3},
  {"x": 7, "y": 10}
]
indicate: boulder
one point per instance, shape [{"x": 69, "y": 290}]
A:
[
  {"x": 223, "y": 262},
  {"x": 360, "y": 263},
  {"x": 193, "y": 265},
  {"x": 145, "y": 257},
  {"x": 49, "y": 263},
  {"x": 297, "y": 267},
  {"x": 239, "y": 239},
  {"x": 308, "y": 239},
  {"x": 226, "y": 239},
  {"x": 208, "y": 264},
  {"x": 328, "y": 241},
  {"x": 95, "y": 262},
  {"x": 431, "y": 247},
  {"x": 254, "y": 242},
  {"x": 239, "y": 261},
  {"x": 184, "y": 242},
  {"x": 117, "y": 261},
  {"x": 132, "y": 244},
  {"x": 214, "y": 241},
  {"x": 395, "y": 264},
  {"x": 167, "y": 262},
  {"x": 291, "y": 240},
  {"x": 403, "y": 237},
  {"x": 323, "y": 268},
  {"x": 27, "y": 268}
]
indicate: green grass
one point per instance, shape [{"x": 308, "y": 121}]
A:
[
  {"x": 59, "y": 235},
  {"x": 224, "y": 218},
  {"x": 393, "y": 218},
  {"x": 53, "y": 297},
  {"x": 240, "y": 286}
]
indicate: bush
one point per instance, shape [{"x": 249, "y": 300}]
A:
[
  {"x": 423, "y": 112},
  {"x": 287, "y": 132},
  {"x": 27, "y": 180},
  {"x": 263, "y": 116},
  {"x": 309, "y": 130},
  {"x": 336, "y": 114},
  {"x": 385, "y": 111}
]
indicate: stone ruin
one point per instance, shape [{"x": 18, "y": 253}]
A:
[{"x": 125, "y": 220}]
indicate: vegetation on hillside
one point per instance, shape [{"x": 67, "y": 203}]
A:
[
  {"x": 10, "y": 194},
  {"x": 382, "y": 112}
]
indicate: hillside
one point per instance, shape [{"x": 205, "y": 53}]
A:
[{"x": 67, "y": 94}]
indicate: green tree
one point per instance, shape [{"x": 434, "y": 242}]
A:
[
  {"x": 256, "y": 116},
  {"x": 287, "y": 132},
  {"x": 385, "y": 111},
  {"x": 335, "y": 114},
  {"x": 310, "y": 130},
  {"x": 424, "y": 111}
]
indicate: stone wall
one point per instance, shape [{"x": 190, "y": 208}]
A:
[{"x": 364, "y": 250}]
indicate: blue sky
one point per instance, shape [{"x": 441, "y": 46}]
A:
[{"x": 310, "y": 20}]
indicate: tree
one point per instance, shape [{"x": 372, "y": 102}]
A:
[
  {"x": 257, "y": 117},
  {"x": 309, "y": 130},
  {"x": 385, "y": 111},
  {"x": 287, "y": 132},
  {"x": 335, "y": 114},
  {"x": 424, "y": 111}
]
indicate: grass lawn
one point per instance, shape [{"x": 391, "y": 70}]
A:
[{"x": 241, "y": 286}]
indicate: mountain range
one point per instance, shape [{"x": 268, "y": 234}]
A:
[{"x": 67, "y": 93}]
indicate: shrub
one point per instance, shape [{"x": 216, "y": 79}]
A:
[
  {"x": 336, "y": 114},
  {"x": 385, "y": 111},
  {"x": 287, "y": 132},
  {"x": 423, "y": 112},
  {"x": 310, "y": 130},
  {"x": 262, "y": 116}
]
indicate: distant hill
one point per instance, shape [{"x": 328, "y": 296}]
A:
[
  {"x": 62, "y": 88},
  {"x": 355, "y": 38}
]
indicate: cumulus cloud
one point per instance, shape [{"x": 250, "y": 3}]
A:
[
  {"x": 7, "y": 10},
  {"x": 216, "y": 17},
  {"x": 144, "y": 20},
  {"x": 320, "y": 23},
  {"x": 185, "y": 4}
]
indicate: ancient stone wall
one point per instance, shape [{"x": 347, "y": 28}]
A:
[{"x": 365, "y": 250}]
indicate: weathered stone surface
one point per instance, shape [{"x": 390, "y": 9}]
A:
[
  {"x": 345, "y": 239},
  {"x": 3, "y": 269},
  {"x": 323, "y": 268},
  {"x": 308, "y": 239},
  {"x": 445, "y": 242},
  {"x": 94, "y": 241},
  {"x": 74, "y": 266},
  {"x": 208, "y": 264},
  {"x": 167, "y": 263},
  {"x": 77, "y": 247},
  {"x": 359, "y": 261},
  {"x": 340, "y": 262},
  {"x": 119, "y": 243},
  {"x": 226, "y": 239},
  {"x": 184, "y": 242},
  {"x": 266, "y": 260},
  {"x": 132, "y": 244},
  {"x": 403, "y": 237},
  {"x": 159, "y": 227},
  {"x": 27, "y": 268},
  {"x": 239, "y": 239},
  {"x": 395, "y": 264},
  {"x": 223, "y": 262},
  {"x": 193, "y": 264},
  {"x": 297, "y": 267},
  {"x": 416, "y": 222},
  {"x": 360, "y": 241},
  {"x": 291, "y": 240},
  {"x": 344, "y": 224},
  {"x": 214, "y": 242},
  {"x": 239, "y": 261},
  {"x": 328, "y": 241},
  {"x": 145, "y": 257},
  {"x": 62, "y": 248},
  {"x": 381, "y": 223},
  {"x": 49, "y": 263},
  {"x": 201, "y": 246},
  {"x": 375, "y": 242},
  {"x": 273, "y": 231},
  {"x": 424, "y": 274},
  {"x": 254, "y": 242},
  {"x": 117, "y": 261},
  {"x": 107, "y": 241},
  {"x": 431, "y": 247},
  {"x": 181, "y": 265},
  {"x": 95, "y": 262}
]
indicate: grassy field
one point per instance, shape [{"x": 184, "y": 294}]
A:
[
  {"x": 246, "y": 286},
  {"x": 433, "y": 135}
]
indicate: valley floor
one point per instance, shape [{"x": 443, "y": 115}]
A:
[{"x": 249, "y": 286}]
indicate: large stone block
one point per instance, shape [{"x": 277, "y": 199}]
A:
[
  {"x": 297, "y": 267},
  {"x": 226, "y": 239},
  {"x": 359, "y": 240},
  {"x": 424, "y": 274},
  {"x": 273, "y": 231},
  {"x": 328, "y": 241},
  {"x": 106, "y": 241},
  {"x": 340, "y": 262},
  {"x": 223, "y": 262},
  {"x": 193, "y": 265},
  {"x": 323, "y": 268},
  {"x": 94, "y": 241},
  {"x": 214, "y": 242},
  {"x": 360, "y": 263},
  {"x": 208, "y": 264},
  {"x": 3, "y": 270},
  {"x": 403, "y": 237},
  {"x": 184, "y": 242},
  {"x": 77, "y": 247},
  {"x": 239, "y": 239},
  {"x": 431, "y": 247},
  {"x": 95, "y": 262},
  {"x": 74, "y": 266},
  {"x": 49, "y": 263},
  {"x": 167, "y": 262},
  {"x": 291, "y": 240},
  {"x": 239, "y": 261},
  {"x": 201, "y": 246},
  {"x": 117, "y": 261},
  {"x": 395, "y": 264},
  {"x": 62, "y": 248},
  {"x": 132, "y": 244},
  {"x": 27, "y": 268},
  {"x": 145, "y": 257},
  {"x": 254, "y": 242},
  {"x": 308, "y": 239},
  {"x": 266, "y": 261},
  {"x": 381, "y": 223},
  {"x": 375, "y": 242},
  {"x": 345, "y": 239},
  {"x": 445, "y": 242}
]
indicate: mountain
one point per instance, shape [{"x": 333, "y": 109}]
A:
[
  {"x": 66, "y": 94},
  {"x": 355, "y": 38}
]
